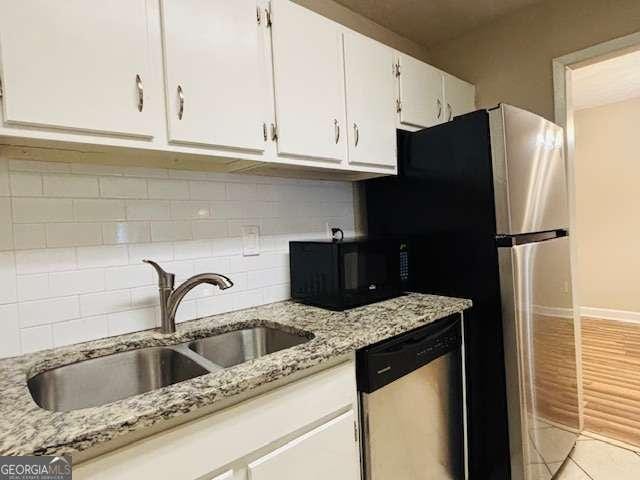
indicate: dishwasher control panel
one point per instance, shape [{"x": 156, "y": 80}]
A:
[{"x": 384, "y": 362}]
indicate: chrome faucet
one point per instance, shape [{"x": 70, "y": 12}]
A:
[{"x": 170, "y": 298}]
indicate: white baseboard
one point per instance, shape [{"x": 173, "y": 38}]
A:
[
  {"x": 560, "y": 312},
  {"x": 608, "y": 314}
]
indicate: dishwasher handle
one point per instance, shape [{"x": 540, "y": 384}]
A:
[{"x": 385, "y": 362}]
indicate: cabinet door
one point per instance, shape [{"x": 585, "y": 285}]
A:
[
  {"x": 371, "y": 115},
  {"x": 215, "y": 72},
  {"x": 328, "y": 452},
  {"x": 421, "y": 95},
  {"x": 76, "y": 66},
  {"x": 459, "y": 96},
  {"x": 309, "y": 83}
]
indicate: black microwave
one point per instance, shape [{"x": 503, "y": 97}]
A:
[{"x": 348, "y": 273}]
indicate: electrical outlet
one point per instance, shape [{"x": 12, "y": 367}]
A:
[{"x": 250, "y": 240}]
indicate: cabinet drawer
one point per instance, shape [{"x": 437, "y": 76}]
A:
[{"x": 327, "y": 452}]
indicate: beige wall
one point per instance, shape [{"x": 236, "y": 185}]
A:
[
  {"x": 343, "y": 15},
  {"x": 608, "y": 206},
  {"x": 510, "y": 60}
]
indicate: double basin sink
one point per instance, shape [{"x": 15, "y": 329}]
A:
[{"x": 99, "y": 381}]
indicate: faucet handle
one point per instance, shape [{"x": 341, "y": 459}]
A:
[{"x": 165, "y": 279}]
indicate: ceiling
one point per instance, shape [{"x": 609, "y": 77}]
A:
[
  {"x": 609, "y": 81},
  {"x": 428, "y": 22}
]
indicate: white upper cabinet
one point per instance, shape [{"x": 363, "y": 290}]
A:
[
  {"x": 328, "y": 452},
  {"x": 420, "y": 92},
  {"x": 459, "y": 96},
  {"x": 309, "y": 83},
  {"x": 371, "y": 112},
  {"x": 215, "y": 72},
  {"x": 79, "y": 65}
]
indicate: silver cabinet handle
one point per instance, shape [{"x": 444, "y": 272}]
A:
[
  {"x": 181, "y": 100},
  {"x": 356, "y": 132},
  {"x": 450, "y": 110},
  {"x": 264, "y": 131},
  {"x": 274, "y": 132},
  {"x": 140, "y": 93},
  {"x": 336, "y": 126},
  {"x": 439, "y": 109},
  {"x": 140, "y": 88}
]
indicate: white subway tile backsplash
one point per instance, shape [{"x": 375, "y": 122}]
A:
[
  {"x": 80, "y": 330},
  {"x": 145, "y": 296},
  {"x": 33, "y": 287},
  {"x": 169, "y": 189},
  {"x": 42, "y": 312},
  {"x": 102, "y": 256},
  {"x": 192, "y": 250},
  {"x": 171, "y": 231},
  {"x": 267, "y": 278},
  {"x": 45, "y": 260},
  {"x": 116, "y": 187},
  {"x": 133, "y": 321},
  {"x": 129, "y": 277},
  {"x": 29, "y": 235},
  {"x": 226, "y": 247},
  {"x": 204, "y": 229},
  {"x": 38, "y": 210},
  {"x": 188, "y": 310},
  {"x": 6, "y": 225},
  {"x": 161, "y": 252},
  {"x": 190, "y": 210},
  {"x": 74, "y": 236},
  {"x": 208, "y": 191},
  {"x": 5, "y": 191},
  {"x": 99, "y": 210},
  {"x": 70, "y": 186},
  {"x": 10, "y": 328},
  {"x": 76, "y": 282},
  {"x": 105, "y": 302},
  {"x": 125, "y": 232},
  {"x": 9, "y": 290},
  {"x": 25, "y": 184},
  {"x": 277, "y": 293},
  {"x": 36, "y": 338},
  {"x": 148, "y": 210}
]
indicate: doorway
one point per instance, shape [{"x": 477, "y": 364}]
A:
[{"x": 597, "y": 99}]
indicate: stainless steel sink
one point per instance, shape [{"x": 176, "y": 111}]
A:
[
  {"x": 237, "y": 347},
  {"x": 103, "y": 380},
  {"x": 98, "y": 381}
]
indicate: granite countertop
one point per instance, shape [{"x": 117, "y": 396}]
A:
[{"x": 27, "y": 429}]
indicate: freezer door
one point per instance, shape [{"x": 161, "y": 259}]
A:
[
  {"x": 528, "y": 172},
  {"x": 540, "y": 356}
]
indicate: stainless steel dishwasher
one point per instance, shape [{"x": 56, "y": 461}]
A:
[{"x": 412, "y": 405}]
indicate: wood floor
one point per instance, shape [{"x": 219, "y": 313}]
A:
[
  {"x": 556, "y": 393},
  {"x": 611, "y": 378}
]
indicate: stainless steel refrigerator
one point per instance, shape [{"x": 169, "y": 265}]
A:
[{"x": 483, "y": 200}]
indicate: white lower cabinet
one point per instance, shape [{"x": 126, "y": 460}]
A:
[
  {"x": 329, "y": 451},
  {"x": 303, "y": 430}
]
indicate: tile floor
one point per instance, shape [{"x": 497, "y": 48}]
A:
[{"x": 594, "y": 459}]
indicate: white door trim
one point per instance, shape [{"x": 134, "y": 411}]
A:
[{"x": 563, "y": 108}]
